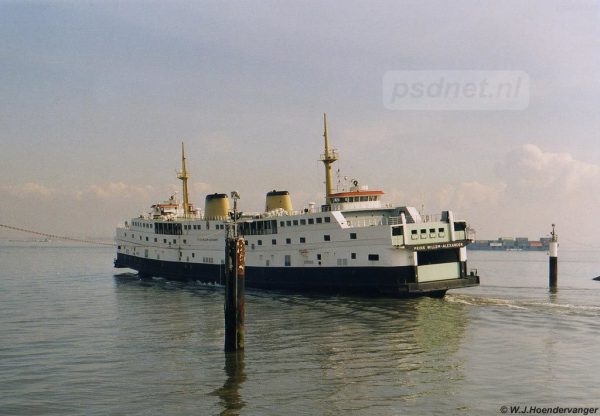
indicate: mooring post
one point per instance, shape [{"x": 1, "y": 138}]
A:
[
  {"x": 553, "y": 251},
  {"x": 234, "y": 285}
]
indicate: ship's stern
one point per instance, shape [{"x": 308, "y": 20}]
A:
[{"x": 438, "y": 254}]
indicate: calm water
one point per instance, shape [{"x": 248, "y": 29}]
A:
[{"x": 76, "y": 339}]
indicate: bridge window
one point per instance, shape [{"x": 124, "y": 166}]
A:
[
  {"x": 302, "y": 222},
  {"x": 438, "y": 256},
  {"x": 460, "y": 226},
  {"x": 327, "y": 219},
  {"x": 319, "y": 220},
  {"x": 168, "y": 228},
  {"x": 258, "y": 227},
  {"x": 311, "y": 220}
]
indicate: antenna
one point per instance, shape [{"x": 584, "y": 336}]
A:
[
  {"x": 328, "y": 158},
  {"x": 183, "y": 175}
]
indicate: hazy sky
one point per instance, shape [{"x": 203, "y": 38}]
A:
[{"x": 97, "y": 96}]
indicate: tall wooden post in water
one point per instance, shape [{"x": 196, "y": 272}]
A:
[
  {"x": 553, "y": 251},
  {"x": 234, "y": 284}
]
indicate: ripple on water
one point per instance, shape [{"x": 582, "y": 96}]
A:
[{"x": 76, "y": 340}]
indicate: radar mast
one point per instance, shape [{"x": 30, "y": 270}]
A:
[
  {"x": 183, "y": 175},
  {"x": 328, "y": 158}
]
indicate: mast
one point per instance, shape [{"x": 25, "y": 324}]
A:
[
  {"x": 183, "y": 175},
  {"x": 328, "y": 158}
]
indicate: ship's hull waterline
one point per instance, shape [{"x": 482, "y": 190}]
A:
[{"x": 367, "y": 281}]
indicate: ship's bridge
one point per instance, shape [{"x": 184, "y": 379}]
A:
[{"x": 357, "y": 198}]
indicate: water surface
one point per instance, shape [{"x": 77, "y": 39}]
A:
[{"x": 79, "y": 337}]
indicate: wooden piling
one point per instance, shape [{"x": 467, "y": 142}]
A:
[
  {"x": 235, "y": 286},
  {"x": 234, "y": 293},
  {"x": 553, "y": 263}
]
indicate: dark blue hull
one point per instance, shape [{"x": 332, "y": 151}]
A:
[{"x": 389, "y": 281}]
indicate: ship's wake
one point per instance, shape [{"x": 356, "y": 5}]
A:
[{"x": 546, "y": 306}]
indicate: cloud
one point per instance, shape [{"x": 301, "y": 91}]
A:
[
  {"x": 527, "y": 175},
  {"x": 533, "y": 189},
  {"x": 108, "y": 191},
  {"x": 29, "y": 189},
  {"x": 118, "y": 190},
  {"x": 528, "y": 169},
  {"x": 202, "y": 188},
  {"x": 469, "y": 194}
]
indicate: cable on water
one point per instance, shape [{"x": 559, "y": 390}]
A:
[{"x": 56, "y": 237}]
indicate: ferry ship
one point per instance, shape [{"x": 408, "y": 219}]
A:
[{"x": 353, "y": 243}]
